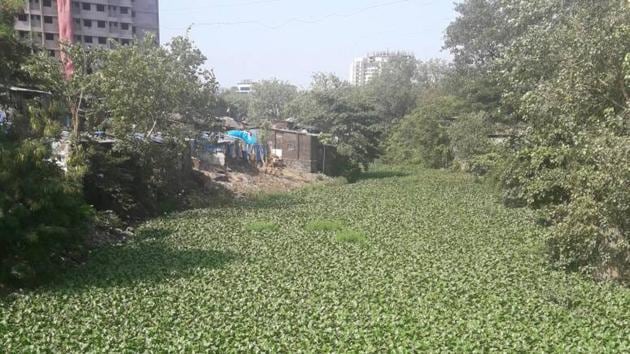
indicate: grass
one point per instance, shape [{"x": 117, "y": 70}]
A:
[
  {"x": 350, "y": 236},
  {"x": 447, "y": 270},
  {"x": 261, "y": 226},
  {"x": 324, "y": 225}
]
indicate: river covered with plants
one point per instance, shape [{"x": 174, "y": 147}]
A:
[{"x": 405, "y": 260}]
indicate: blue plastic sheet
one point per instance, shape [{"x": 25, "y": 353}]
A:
[{"x": 247, "y": 137}]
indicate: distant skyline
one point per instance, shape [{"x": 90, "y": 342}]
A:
[{"x": 293, "y": 39}]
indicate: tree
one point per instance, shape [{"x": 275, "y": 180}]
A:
[
  {"x": 479, "y": 38},
  {"x": 394, "y": 90},
  {"x": 559, "y": 68},
  {"x": 469, "y": 135},
  {"x": 75, "y": 90},
  {"x": 235, "y": 105},
  {"x": 42, "y": 215},
  {"x": 422, "y": 136},
  {"x": 270, "y": 99},
  {"x": 12, "y": 52},
  {"x": 350, "y": 121},
  {"x": 145, "y": 88}
]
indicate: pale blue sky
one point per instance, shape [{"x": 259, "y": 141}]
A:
[{"x": 292, "y": 39}]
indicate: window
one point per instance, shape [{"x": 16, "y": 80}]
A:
[
  {"x": 47, "y": 3},
  {"x": 50, "y": 36},
  {"x": 100, "y": 8},
  {"x": 87, "y": 6},
  {"x": 124, "y": 41},
  {"x": 76, "y": 5},
  {"x": 124, "y": 10},
  {"x": 77, "y": 38},
  {"x": 101, "y": 24},
  {"x": 51, "y": 53},
  {"x": 23, "y": 34},
  {"x": 124, "y": 26},
  {"x": 48, "y": 19},
  {"x": 36, "y": 18},
  {"x": 22, "y": 17},
  {"x": 102, "y": 40},
  {"x": 87, "y": 23},
  {"x": 87, "y": 39}
]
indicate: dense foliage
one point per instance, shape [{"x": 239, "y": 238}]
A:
[
  {"x": 268, "y": 101},
  {"x": 12, "y": 52},
  {"x": 42, "y": 215},
  {"x": 150, "y": 98},
  {"x": 145, "y": 88},
  {"x": 549, "y": 80},
  {"x": 422, "y": 137},
  {"x": 435, "y": 265},
  {"x": 139, "y": 179},
  {"x": 350, "y": 121}
]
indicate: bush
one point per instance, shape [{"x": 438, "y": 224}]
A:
[
  {"x": 469, "y": 136},
  {"x": 42, "y": 216},
  {"x": 591, "y": 231},
  {"x": 421, "y": 137},
  {"x": 137, "y": 179}
]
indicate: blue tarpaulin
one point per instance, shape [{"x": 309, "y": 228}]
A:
[{"x": 247, "y": 137}]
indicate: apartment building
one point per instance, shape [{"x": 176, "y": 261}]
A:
[
  {"x": 94, "y": 22},
  {"x": 245, "y": 87},
  {"x": 365, "y": 68}
]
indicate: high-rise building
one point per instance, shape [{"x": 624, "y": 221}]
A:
[
  {"x": 94, "y": 22},
  {"x": 365, "y": 68}
]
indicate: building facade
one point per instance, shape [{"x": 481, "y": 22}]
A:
[
  {"x": 365, "y": 68},
  {"x": 94, "y": 22},
  {"x": 245, "y": 87}
]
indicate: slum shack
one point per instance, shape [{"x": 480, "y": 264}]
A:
[{"x": 301, "y": 150}]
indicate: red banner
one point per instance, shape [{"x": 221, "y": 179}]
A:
[{"x": 66, "y": 33}]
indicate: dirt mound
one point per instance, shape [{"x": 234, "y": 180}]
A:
[{"x": 244, "y": 180}]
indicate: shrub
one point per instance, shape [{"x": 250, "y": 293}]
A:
[
  {"x": 469, "y": 136},
  {"x": 136, "y": 179},
  {"x": 42, "y": 216},
  {"x": 591, "y": 231},
  {"x": 421, "y": 137}
]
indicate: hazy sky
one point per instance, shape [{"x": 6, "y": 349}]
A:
[{"x": 292, "y": 39}]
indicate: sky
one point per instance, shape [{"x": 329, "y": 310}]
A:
[{"x": 292, "y": 39}]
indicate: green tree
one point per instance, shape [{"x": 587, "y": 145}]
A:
[
  {"x": 422, "y": 136},
  {"x": 560, "y": 68},
  {"x": 469, "y": 135},
  {"x": 43, "y": 217},
  {"x": 144, "y": 88},
  {"x": 394, "y": 91},
  {"x": 74, "y": 91},
  {"x": 12, "y": 52},
  {"x": 348, "y": 119},
  {"x": 270, "y": 100},
  {"x": 235, "y": 105}
]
